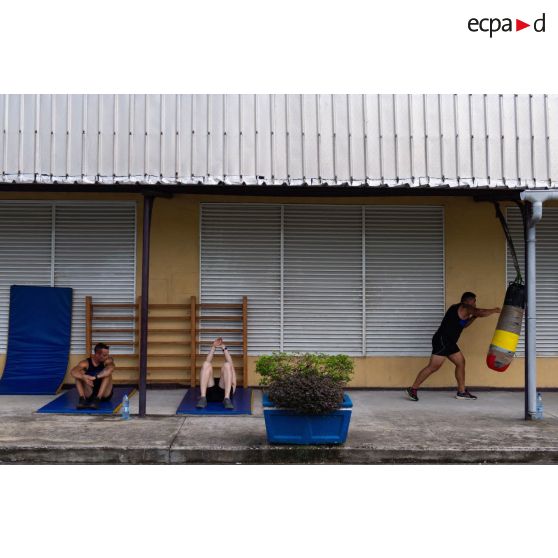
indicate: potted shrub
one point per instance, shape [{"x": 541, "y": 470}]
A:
[{"x": 304, "y": 399}]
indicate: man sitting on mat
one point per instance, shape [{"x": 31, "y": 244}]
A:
[
  {"x": 94, "y": 378},
  {"x": 225, "y": 388}
]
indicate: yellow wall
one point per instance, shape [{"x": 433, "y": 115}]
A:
[{"x": 474, "y": 260}]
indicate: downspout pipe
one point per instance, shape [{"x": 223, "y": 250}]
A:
[{"x": 536, "y": 200}]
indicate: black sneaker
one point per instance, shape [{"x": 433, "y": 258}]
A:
[
  {"x": 83, "y": 403},
  {"x": 107, "y": 398},
  {"x": 202, "y": 403},
  {"x": 92, "y": 403},
  {"x": 228, "y": 404},
  {"x": 465, "y": 395},
  {"x": 412, "y": 393}
]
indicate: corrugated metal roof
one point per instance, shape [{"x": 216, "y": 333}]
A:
[{"x": 418, "y": 140}]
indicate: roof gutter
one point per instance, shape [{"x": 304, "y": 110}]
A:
[{"x": 160, "y": 189}]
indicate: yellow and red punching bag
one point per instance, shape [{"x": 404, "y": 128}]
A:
[{"x": 504, "y": 343}]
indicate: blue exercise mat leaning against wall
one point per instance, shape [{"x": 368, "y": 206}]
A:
[{"x": 39, "y": 335}]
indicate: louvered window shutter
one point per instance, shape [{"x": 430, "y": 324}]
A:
[
  {"x": 89, "y": 247},
  {"x": 25, "y": 252},
  {"x": 404, "y": 278},
  {"x": 323, "y": 279},
  {"x": 95, "y": 255},
  {"x": 241, "y": 256},
  {"x": 328, "y": 278}
]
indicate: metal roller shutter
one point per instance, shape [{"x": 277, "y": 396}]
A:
[
  {"x": 241, "y": 255},
  {"x": 95, "y": 250},
  {"x": 25, "y": 252},
  {"x": 87, "y": 246},
  {"x": 404, "y": 279},
  {"x": 323, "y": 279},
  {"x": 547, "y": 276},
  {"x": 328, "y": 278}
]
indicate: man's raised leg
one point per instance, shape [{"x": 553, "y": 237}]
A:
[
  {"x": 206, "y": 380},
  {"x": 226, "y": 382}
]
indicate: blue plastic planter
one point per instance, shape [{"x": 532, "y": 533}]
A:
[{"x": 285, "y": 427}]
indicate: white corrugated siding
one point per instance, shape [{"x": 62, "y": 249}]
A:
[
  {"x": 351, "y": 279},
  {"x": 547, "y": 277},
  {"x": 420, "y": 140},
  {"x": 87, "y": 246}
]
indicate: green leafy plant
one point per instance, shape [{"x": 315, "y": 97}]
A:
[{"x": 306, "y": 383}]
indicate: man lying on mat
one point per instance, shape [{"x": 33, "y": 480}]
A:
[
  {"x": 94, "y": 378},
  {"x": 223, "y": 390}
]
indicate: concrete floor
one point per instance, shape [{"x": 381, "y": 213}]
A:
[
  {"x": 163, "y": 402},
  {"x": 385, "y": 428}
]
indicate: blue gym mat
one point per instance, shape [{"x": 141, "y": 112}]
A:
[
  {"x": 66, "y": 403},
  {"x": 39, "y": 333},
  {"x": 242, "y": 401}
]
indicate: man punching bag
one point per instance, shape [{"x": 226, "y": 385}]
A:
[{"x": 504, "y": 342}]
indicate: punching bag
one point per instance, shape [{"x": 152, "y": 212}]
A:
[{"x": 504, "y": 343}]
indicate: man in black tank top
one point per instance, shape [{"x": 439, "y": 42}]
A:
[
  {"x": 94, "y": 378},
  {"x": 444, "y": 343}
]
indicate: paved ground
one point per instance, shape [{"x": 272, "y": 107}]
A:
[{"x": 385, "y": 428}]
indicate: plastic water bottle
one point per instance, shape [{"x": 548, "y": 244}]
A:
[
  {"x": 125, "y": 407},
  {"x": 540, "y": 408}
]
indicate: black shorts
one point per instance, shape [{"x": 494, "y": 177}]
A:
[
  {"x": 442, "y": 346},
  {"x": 97, "y": 386},
  {"x": 215, "y": 393}
]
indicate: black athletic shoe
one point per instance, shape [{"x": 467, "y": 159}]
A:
[
  {"x": 202, "y": 403},
  {"x": 465, "y": 395},
  {"x": 228, "y": 404},
  {"x": 412, "y": 393},
  {"x": 83, "y": 403},
  {"x": 92, "y": 403}
]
